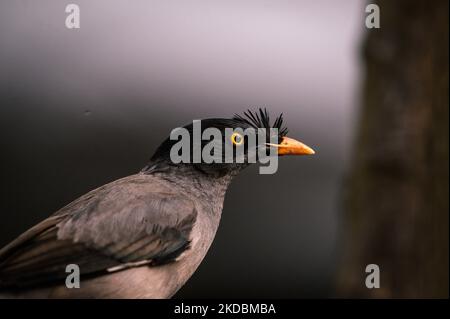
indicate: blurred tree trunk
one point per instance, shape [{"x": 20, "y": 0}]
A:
[{"x": 396, "y": 201}]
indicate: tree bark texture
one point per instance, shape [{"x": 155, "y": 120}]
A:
[{"x": 396, "y": 196}]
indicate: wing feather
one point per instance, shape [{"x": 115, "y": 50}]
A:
[{"x": 135, "y": 220}]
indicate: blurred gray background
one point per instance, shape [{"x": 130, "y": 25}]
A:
[{"x": 80, "y": 108}]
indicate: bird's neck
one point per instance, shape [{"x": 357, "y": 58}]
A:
[{"x": 208, "y": 188}]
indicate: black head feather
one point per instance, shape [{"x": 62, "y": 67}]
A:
[
  {"x": 160, "y": 161},
  {"x": 261, "y": 119}
]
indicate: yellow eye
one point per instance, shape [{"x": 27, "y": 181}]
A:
[{"x": 237, "y": 139}]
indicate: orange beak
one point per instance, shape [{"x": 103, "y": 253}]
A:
[{"x": 289, "y": 146}]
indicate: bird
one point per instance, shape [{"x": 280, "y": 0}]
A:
[{"x": 141, "y": 236}]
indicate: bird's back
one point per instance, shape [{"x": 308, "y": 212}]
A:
[{"x": 140, "y": 236}]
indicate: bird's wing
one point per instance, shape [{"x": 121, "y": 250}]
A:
[{"x": 129, "y": 222}]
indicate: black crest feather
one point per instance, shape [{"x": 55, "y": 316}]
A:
[{"x": 261, "y": 119}]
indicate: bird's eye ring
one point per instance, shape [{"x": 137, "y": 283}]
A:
[{"x": 237, "y": 139}]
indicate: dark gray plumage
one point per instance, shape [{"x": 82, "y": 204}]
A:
[
  {"x": 141, "y": 236},
  {"x": 138, "y": 220}
]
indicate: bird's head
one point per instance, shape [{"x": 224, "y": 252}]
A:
[{"x": 220, "y": 146}]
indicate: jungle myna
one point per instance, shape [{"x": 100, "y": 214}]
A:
[{"x": 141, "y": 236}]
